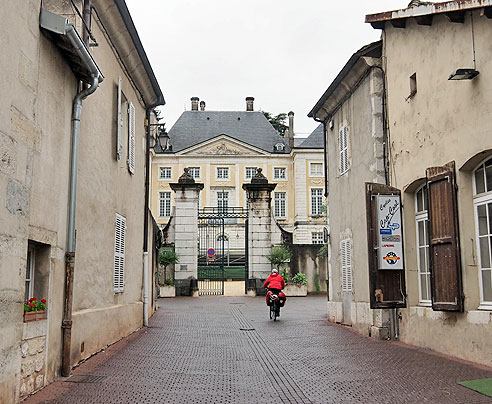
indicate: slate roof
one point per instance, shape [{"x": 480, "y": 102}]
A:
[
  {"x": 314, "y": 140},
  {"x": 194, "y": 127}
]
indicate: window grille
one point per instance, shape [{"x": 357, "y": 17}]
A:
[
  {"x": 250, "y": 172},
  {"x": 222, "y": 173},
  {"x": 165, "y": 173},
  {"x": 195, "y": 172},
  {"x": 316, "y": 201},
  {"x": 279, "y": 173},
  {"x": 279, "y": 207}
]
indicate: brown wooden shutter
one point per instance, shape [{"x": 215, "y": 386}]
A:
[
  {"x": 445, "y": 265},
  {"x": 386, "y": 287}
]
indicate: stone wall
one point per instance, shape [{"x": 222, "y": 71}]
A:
[{"x": 305, "y": 260}]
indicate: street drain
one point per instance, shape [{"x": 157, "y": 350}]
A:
[
  {"x": 86, "y": 379},
  {"x": 246, "y": 329}
]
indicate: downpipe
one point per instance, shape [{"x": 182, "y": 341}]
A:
[{"x": 72, "y": 202}]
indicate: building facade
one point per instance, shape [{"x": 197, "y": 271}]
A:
[
  {"x": 440, "y": 158},
  {"x": 72, "y": 175},
  {"x": 223, "y": 150}
]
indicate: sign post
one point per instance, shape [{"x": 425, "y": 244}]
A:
[
  {"x": 210, "y": 255},
  {"x": 389, "y": 232}
]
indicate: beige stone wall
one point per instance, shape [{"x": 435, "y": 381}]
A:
[{"x": 444, "y": 121}]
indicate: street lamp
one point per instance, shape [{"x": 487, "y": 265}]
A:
[{"x": 161, "y": 140}]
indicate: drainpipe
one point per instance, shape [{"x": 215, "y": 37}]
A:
[
  {"x": 145, "y": 292},
  {"x": 97, "y": 77}
]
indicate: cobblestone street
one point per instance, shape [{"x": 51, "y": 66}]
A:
[{"x": 226, "y": 350}]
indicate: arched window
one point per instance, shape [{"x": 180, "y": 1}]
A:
[
  {"x": 279, "y": 147},
  {"x": 422, "y": 226},
  {"x": 482, "y": 201}
]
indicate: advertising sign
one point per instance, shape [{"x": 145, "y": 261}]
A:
[{"x": 389, "y": 232}]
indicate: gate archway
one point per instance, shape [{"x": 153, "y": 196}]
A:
[{"x": 222, "y": 248}]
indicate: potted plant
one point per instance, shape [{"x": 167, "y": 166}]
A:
[
  {"x": 297, "y": 286},
  {"x": 34, "y": 310},
  {"x": 166, "y": 283}
]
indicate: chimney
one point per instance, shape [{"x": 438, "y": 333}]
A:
[
  {"x": 202, "y": 105},
  {"x": 194, "y": 103},
  {"x": 249, "y": 103},
  {"x": 291, "y": 128}
]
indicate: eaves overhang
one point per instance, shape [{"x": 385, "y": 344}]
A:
[
  {"x": 117, "y": 21},
  {"x": 423, "y": 12},
  {"x": 66, "y": 38},
  {"x": 347, "y": 80}
]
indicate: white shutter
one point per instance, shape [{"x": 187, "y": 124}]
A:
[
  {"x": 346, "y": 263},
  {"x": 119, "y": 123},
  {"x": 119, "y": 253},
  {"x": 343, "y": 144},
  {"x": 131, "y": 138}
]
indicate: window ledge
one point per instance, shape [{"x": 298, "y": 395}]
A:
[{"x": 485, "y": 307}]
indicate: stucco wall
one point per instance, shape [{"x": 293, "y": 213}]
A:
[
  {"x": 305, "y": 260},
  {"x": 444, "y": 121}
]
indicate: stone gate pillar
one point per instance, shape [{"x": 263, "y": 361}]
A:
[
  {"x": 259, "y": 230},
  {"x": 186, "y": 234}
]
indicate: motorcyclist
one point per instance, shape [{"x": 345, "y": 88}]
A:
[{"x": 275, "y": 283}]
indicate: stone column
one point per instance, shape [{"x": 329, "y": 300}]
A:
[
  {"x": 259, "y": 231},
  {"x": 186, "y": 234}
]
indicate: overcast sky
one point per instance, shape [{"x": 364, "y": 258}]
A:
[{"x": 285, "y": 53}]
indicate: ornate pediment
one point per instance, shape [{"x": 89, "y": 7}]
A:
[{"x": 222, "y": 150}]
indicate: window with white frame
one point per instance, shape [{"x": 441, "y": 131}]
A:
[
  {"x": 31, "y": 256},
  {"x": 317, "y": 237},
  {"x": 316, "y": 201},
  {"x": 165, "y": 173},
  {"x": 194, "y": 172},
  {"x": 346, "y": 264},
  {"x": 222, "y": 173},
  {"x": 119, "y": 254},
  {"x": 279, "y": 147},
  {"x": 164, "y": 204},
  {"x": 279, "y": 173},
  {"x": 316, "y": 169},
  {"x": 279, "y": 204},
  {"x": 222, "y": 201},
  {"x": 250, "y": 172},
  {"x": 422, "y": 226},
  {"x": 343, "y": 149},
  {"x": 483, "y": 224}
]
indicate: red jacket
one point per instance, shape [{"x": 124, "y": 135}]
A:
[{"x": 274, "y": 281}]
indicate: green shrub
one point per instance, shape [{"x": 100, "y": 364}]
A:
[
  {"x": 279, "y": 256},
  {"x": 299, "y": 279}
]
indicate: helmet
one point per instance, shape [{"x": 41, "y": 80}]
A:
[{"x": 274, "y": 271}]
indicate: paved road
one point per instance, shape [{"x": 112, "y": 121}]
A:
[{"x": 226, "y": 350}]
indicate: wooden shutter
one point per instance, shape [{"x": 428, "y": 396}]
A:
[
  {"x": 444, "y": 249},
  {"x": 386, "y": 287},
  {"x": 131, "y": 138},
  {"x": 343, "y": 144},
  {"x": 119, "y": 122},
  {"x": 346, "y": 264},
  {"x": 119, "y": 254}
]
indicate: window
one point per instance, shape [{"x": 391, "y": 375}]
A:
[
  {"x": 222, "y": 201},
  {"x": 346, "y": 264},
  {"x": 165, "y": 173},
  {"x": 316, "y": 201},
  {"x": 222, "y": 173},
  {"x": 119, "y": 254},
  {"x": 29, "y": 292},
  {"x": 279, "y": 204},
  {"x": 279, "y": 147},
  {"x": 164, "y": 204},
  {"x": 317, "y": 238},
  {"x": 279, "y": 173},
  {"x": 413, "y": 85},
  {"x": 422, "y": 226},
  {"x": 250, "y": 172},
  {"x": 343, "y": 148},
  {"x": 131, "y": 138},
  {"x": 316, "y": 169},
  {"x": 38, "y": 261},
  {"x": 483, "y": 224},
  {"x": 195, "y": 172}
]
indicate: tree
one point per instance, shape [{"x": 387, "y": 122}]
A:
[
  {"x": 166, "y": 258},
  {"x": 279, "y": 256},
  {"x": 277, "y": 121}
]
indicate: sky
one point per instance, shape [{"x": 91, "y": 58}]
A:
[{"x": 284, "y": 53}]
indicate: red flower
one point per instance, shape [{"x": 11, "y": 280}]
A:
[
  {"x": 43, "y": 301},
  {"x": 32, "y": 299},
  {"x": 31, "y": 304}
]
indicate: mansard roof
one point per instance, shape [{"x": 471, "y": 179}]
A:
[
  {"x": 251, "y": 127},
  {"x": 314, "y": 140}
]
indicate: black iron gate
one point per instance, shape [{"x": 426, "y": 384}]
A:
[{"x": 222, "y": 248}]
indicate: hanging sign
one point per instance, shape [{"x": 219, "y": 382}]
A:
[{"x": 389, "y": 232}]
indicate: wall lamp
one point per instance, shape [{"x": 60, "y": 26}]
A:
[
  {"x": 463, "y": 74},
  {"x": 161, "y": 140}
]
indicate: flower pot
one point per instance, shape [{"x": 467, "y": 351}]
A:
[
  {"x": 167, "y": 291},
  {"x": 295, "y": 290},
  {"x": 35, "y": 316}
]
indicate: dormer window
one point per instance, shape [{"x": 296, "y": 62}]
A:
[{"x": 279, "y": 147}]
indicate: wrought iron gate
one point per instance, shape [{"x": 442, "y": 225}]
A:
[{"x": 222, "y": 248}]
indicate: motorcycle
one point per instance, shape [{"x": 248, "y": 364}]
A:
[{"x": 275, "y": 300}]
